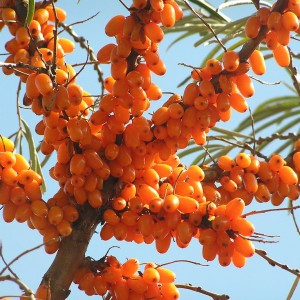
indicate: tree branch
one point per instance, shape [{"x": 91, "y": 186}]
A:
[
  {"x": 274, "y": 263},
  {"x": 200, "y": 290}
]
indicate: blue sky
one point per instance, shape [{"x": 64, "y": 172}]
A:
[{"x": 257, "y": 280}]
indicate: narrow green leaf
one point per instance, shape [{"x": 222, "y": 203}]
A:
[
  {"x": 30, "y": 12},
  {"x": 293, "y": 288},
  {"x": 211, "y": 9}
]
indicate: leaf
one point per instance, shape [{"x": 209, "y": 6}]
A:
[
  {"x": 212, "y": 10},
  {"x": 293, "y": 288},
  {"x": 30, "y": 12}
]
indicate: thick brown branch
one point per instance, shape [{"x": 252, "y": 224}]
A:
[
  {"x": 72, "y": 249},
  {"x": 70, "y": 255}
]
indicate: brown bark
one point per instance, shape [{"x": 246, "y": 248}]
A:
[
  {"x": 71, "y": 254},
  {"x": 72, "y": 249}
]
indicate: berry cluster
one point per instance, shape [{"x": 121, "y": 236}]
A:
[
  {"x": 279, "y": 25},
  {"x": 152, "y": 197},
  {"x": 21, "y": 197},
  {"x": 126, "y": 281}
]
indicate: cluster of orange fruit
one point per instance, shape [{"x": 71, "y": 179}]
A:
[
  {"x": 279, "y": 25},
  {"x": 247, "y": 177},
  {"x": 126, "y": 281},
  {"x": 21, "y": 198},
  {"x": 156, "y": 198},
  {"x": 122, "y": 281}
]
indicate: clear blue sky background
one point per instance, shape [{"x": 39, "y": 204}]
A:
[{"x": 257, "y": 280}]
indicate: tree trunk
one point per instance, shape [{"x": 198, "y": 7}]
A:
[{"x": 71, "y": 254}]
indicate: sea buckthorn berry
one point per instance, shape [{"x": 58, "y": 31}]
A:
[
  {"x": 55, "y": 215},
  {"x": 226, "y": 163},
  {"x": 39, "y": 208},
  {"x": 157, "y": 5},
  {"x": 252, "y": 27},
  {"x": 274, "y": 21},
  {"x": 250, "y": 183},
  {"x": 168, "y": 16},
  {"x": 169, "y": 291},
  {"x": 276, "y": 162},
  {"x": 34, "y": 28},
  {"x": 206, "y": 88},
  {"x": 244, "y": 246},
  {"x": 195, "y": 173},
  {"x": 214, "y": 66},
  {"x": 22, "y": 37},
  {"x": 130, "y": 267},
  {"x": 245, "y": 85},
  {"x": 41, "y": 15},
  {"x": 234, "y": 208},
  {"x": 243, "y": 160},
  {"x": 242, "y": 226},
  {"x": 44, "y": 84},
  {"x": 139, "y": 4},
  {"x": 262, "y": 194},
  {"x": 238, "y": 259},
  {"x": 59, "y": 12},
  {"x": 67, "y": 45},
  {"x": 166, "y": 275},
  {"x": 263, "y": 14},
  {"x": 257, "y": 62},
  {"x": 231, "y": 61},
  {"x": 296, "y": 160},
  {"x": 223, "y": 102},
  {"x": 154, "y": 32},
  {"x": 288, "y": 175},
  {"x": 282, "y": 56},
  {"x": 115, "y": 25},
  {"x": 238, "y": 102},
  {"x": 290, "y": 21}
]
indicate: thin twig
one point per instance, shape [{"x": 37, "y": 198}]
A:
[
  {"x": 205, "y": 23},
  {"x": 80, "y": 22},
  {"x": 124, "y": 4},
  {"x": 24, "y": 253},
  {"x": 83, "y": 44},
  {"x": 200, "y": 290},
  {"x": 264, "y": 82},
  {"x": 28, "y": 292},
  {"x": 274, "y": 263},
  {"x": 20, "y": 65},
  {"x": 293, "y": 216},
  {"x": 180, "y": 261},
  {"x": 256, "y": 212}
]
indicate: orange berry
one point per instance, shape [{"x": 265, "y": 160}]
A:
[
  {"x": 282, "y": 56},
  {"x": 168, "y": 16},
  {"x": 44, "y": 84},
  {"x": 234, "y": 208},
  {"x": 257, "y": 62},
  {"x": 244, "y": 246},
  {"x": 230, "y": 61},
  {"x": 288, "y": 175},
  {"x": 252, "y": 27},
  {"x": 238, "y": 102},
  {"x": 115, "y": 25},
  {"x": 290, "y": 21},
  {"x": 274, "y": 21},
  {"x": 263, "y": 14},
  {"x": 226, "y": 163},
  {"x": 243, "y": 160},
  {"x": 154, "y": 32},
  {"x": 214, "y": 66}
]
